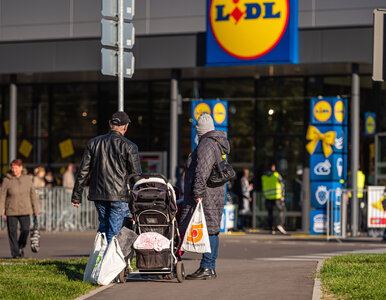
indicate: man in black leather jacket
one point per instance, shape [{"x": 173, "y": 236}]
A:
[{"x": 106, "y": 165}]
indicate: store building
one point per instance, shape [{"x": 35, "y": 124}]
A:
[{"x": 51, "y": 51}]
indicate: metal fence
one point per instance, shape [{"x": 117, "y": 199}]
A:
[
  {"x": 372, "y": 216},
  {"x": 58, "y": 214}
]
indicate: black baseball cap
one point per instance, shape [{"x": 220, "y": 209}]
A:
[{"x": 120, "y": 118}]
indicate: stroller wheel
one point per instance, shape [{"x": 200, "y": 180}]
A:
[{"x": 180, "y": 270}]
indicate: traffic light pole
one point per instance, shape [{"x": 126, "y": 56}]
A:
[{"x": 121, "y": 87}]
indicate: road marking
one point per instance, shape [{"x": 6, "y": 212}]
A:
[
  {"x": 233, "y": 241},
  {"x": 286, "y": 259},
  {"x": 319, "y": 256}
]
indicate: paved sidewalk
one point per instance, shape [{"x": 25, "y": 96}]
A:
[{"x": 237, "y": 279}]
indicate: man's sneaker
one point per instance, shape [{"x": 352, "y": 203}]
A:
[{"x": 281, "y": 229}]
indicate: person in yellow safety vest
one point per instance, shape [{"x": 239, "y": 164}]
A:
[
  {"x": 273, "y": 190},
  {"x": 360, "y": 183},
  {"x": 360, "y": 194}
]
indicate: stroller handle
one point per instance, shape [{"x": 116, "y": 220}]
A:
[{"x": 147, "y": 175}]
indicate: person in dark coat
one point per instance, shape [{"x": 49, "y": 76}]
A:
[
  {"x": 107, "y": 163},
  {"x": 212, "y": 145}
]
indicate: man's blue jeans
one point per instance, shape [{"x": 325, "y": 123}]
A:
[
  {"x": 208, "y": 260},
  {"x": 111, "y": 215}
]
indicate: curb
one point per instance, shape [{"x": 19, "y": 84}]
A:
[
  {"x": 96, "y": 291},
  {"x": 317, "y": 291}
]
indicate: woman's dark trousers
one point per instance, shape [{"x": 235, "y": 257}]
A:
[{"x": 18, "y": 244}]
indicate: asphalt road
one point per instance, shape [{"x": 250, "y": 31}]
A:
[{"x": 253, "y": 266}]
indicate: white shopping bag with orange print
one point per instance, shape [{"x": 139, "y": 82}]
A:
[{"x": 196, "y": 237}]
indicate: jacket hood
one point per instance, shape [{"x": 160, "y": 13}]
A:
[
  {"x": 220, "y": 137},
  {"x": 11, "y": 176}
]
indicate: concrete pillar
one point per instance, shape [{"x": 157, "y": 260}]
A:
[
  {"x": 355, "y": 105},
  {"x": 173, "y": 149},
  {"x": 12, "y": 121}
]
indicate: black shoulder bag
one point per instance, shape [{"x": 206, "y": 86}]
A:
[{"x": 222, "y": 172}]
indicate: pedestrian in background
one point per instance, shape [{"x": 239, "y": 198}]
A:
[
  {"x": 273, "y": 190},
  {"x": 68, "y": 177},
  {"x": 212, "y": 145},
  {"x": 107, "y": 163},
  {"x": 17, "y": 202},
  {"x": 246, "y": 198},
  {"x": 49, "y": 179},
  {"x": 38, "y": 179}
]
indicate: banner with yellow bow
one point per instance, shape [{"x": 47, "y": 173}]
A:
[{"x": 314, "y": 136}]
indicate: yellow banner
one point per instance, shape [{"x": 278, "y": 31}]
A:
[
  {"x": 5, "y": 151},
  {"x": 6, "y": 127},
  {"x": 25, "y": 148},
  {"x": 66, "y": 148}
]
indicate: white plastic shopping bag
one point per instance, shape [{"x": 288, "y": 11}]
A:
[
  {"x": 99, "y": 243},
  {"x": 196, "y": 237},
  {"x": 112, "y": 264},
  {"x": 97, "y": 266}
]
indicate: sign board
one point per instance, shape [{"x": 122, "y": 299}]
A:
[
  {"x": 370, "y": 123},
  {"x": 218, "y": 109},
  {"x": 110, "y": 63},
  {"x": 318, "y": 222},
  {"x": 118, "y": 33},
  {"x": 248, "y": 32},
  {"x": 324, "y": 191},
  {"x": 328, "y": 110},
  {"x": 379, "y": 46},
  {"x": 66, "y": 148},
  {"x": 376, "y": 213},
  {"x": 25, "y": 148},
  {"x": 6, "y": 127},
  {"x": 333, "y": 168},
  {"x": 332, "y": 136},
  {"x": 110, "y": 34},
  {"x": 110, "y": 8}
]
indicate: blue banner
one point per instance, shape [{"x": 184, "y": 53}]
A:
[
  {"x": 324, "y": 191},
  {"x": 218, "y": 109},
  {"x": 332, "y": 168},
  {"x": 339, "y": 143},
  {"x": 328, "y": 110},
  {"x": 318, "y": 221}
]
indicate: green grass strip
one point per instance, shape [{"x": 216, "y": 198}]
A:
[
  {"x": 354, "y": 276},
  {"x": 44, "y": 279}
]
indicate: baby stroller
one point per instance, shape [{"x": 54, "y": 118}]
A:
[{"x": 154, "y": 208}]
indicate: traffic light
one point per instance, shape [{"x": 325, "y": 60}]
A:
[{"x": 116, "y": 15}]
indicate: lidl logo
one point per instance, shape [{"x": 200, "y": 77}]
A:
[
  {"x": 370, "y": 123},
  {"x": 200, "y": 109},
  {"x": 248, "y": 29},
  {"x": 322, "y": 111},
  {"x": 339, "y": 111},
  {"x": 252, "y": 32},
  {"x": 219, "y": 113}
]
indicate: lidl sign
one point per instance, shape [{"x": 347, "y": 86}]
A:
[{"x": 244, "y": 32}]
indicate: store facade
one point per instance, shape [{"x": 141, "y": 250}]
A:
[{"x": 52, "y": 55}]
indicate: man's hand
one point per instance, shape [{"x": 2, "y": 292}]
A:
[
  {"x": 282, "y": 199},
  {"x": 197, "y": 199},
  {"x": 75, "y": 204}
]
